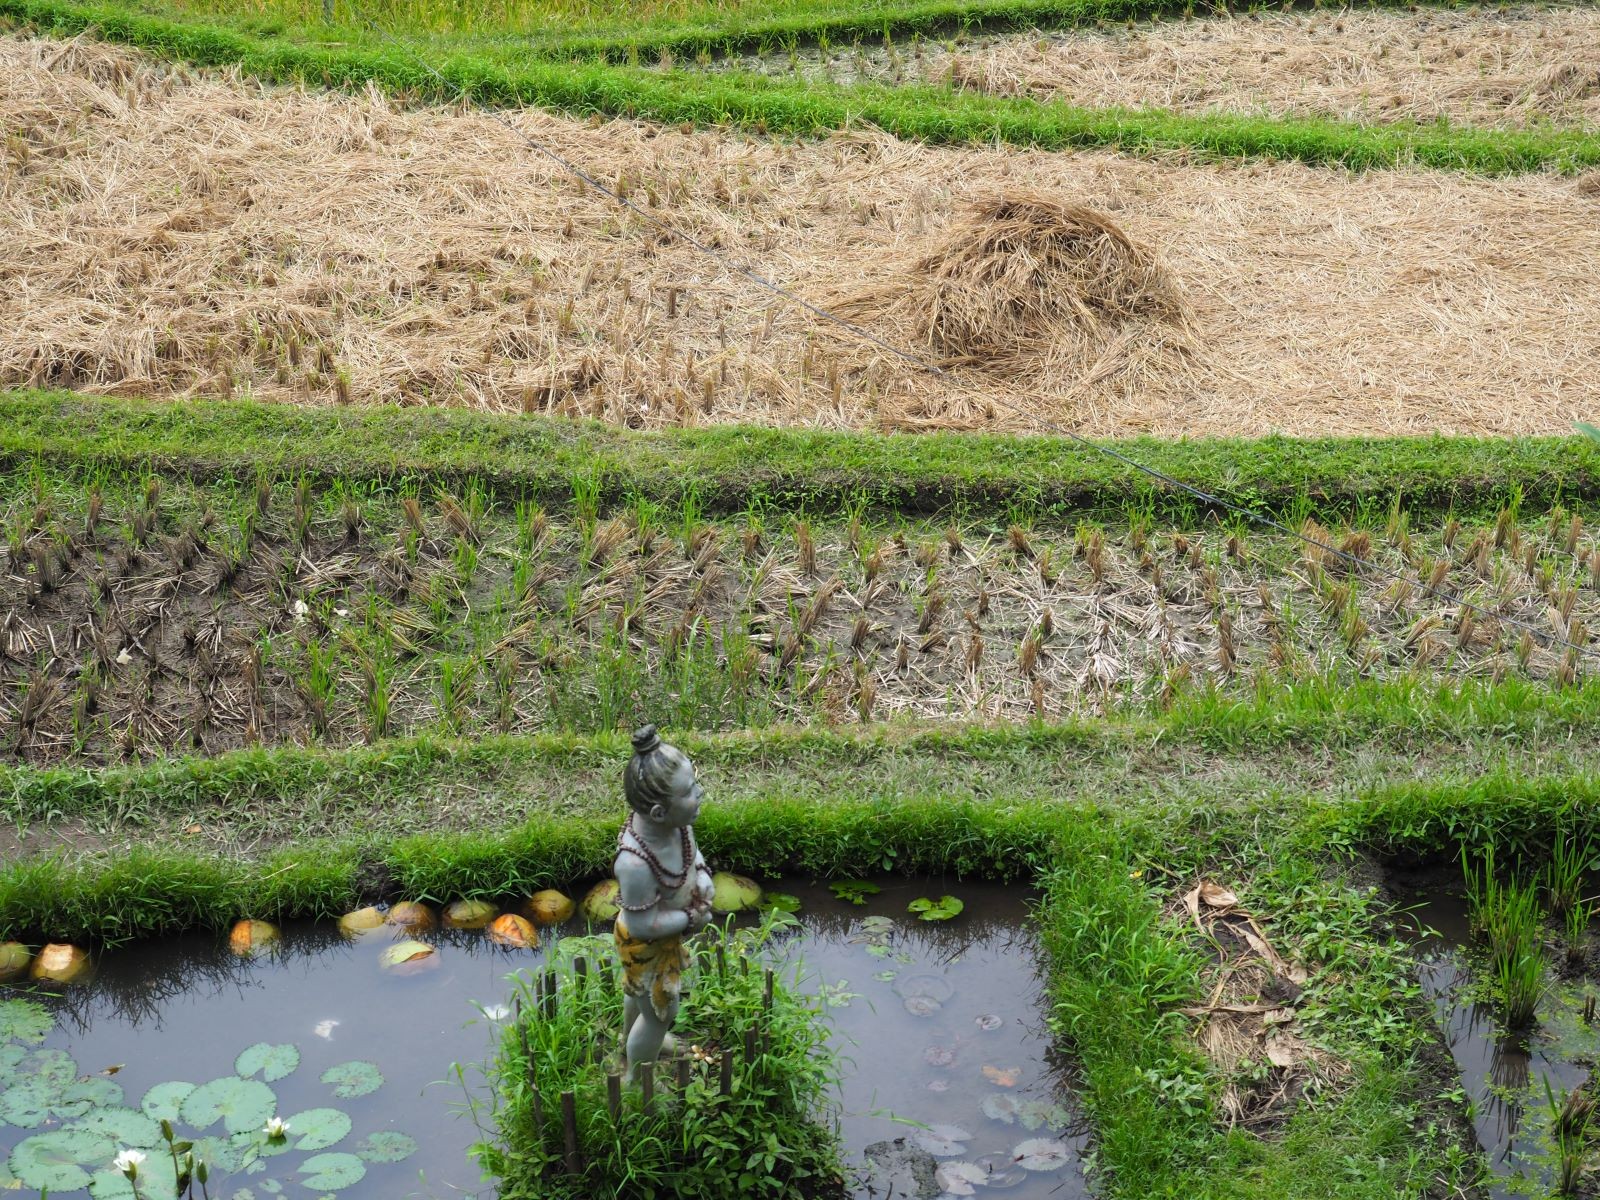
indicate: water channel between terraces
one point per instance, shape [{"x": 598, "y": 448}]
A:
[{"x": 941, "y": 1026}]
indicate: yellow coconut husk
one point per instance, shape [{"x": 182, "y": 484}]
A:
[
  {"x": 409, "y": 957},
  {"x": 411, "y": 915},
  {"x": 14, "y": 960},
  {"x": 469, "y": 914},
  {"x": 600, "y": 902},
  {"x": 62, "y": 963},
  {"x": 549, "y": 907},
  {"x": 362, "y": 920},
  {"x": 249, "y": 938},
  {"x": 513, "y": 932}
]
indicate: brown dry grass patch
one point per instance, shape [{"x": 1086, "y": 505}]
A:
[
  {"x": 174, "y": 234},
  {"x": 1506, "y": 69}
]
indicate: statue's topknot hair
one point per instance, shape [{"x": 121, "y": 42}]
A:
[{"x": 645, "y": 739}]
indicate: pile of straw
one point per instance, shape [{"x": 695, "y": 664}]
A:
[
  {"x": 1022, "y": 273},
  {"x": 169, "y": 233}
]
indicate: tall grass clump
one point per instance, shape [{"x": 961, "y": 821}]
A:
[
  {"x": 1509, "y": 919},
  {"x": 754, "y": 1119},
  {"x": 1571, "y": 1117}
]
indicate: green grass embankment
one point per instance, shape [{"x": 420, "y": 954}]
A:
[
  {"x": 733, "y": 468},
  {"x": 495, "y": 76}
]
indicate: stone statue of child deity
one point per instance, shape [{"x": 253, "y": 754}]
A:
[{"x": 665, "y": 890}]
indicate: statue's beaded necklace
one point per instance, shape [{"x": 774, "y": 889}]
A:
[{"x": 666, "y": 881}]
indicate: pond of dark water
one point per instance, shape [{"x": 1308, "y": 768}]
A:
[
  {"x": 940, "y": 1024},
  {"x": 1503, "y": 1075}
]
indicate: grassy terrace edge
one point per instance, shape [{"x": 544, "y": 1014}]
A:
[
  {"x": 1117, "y": 975},
  {"x": 732, "y": 468},
  {"x": 807, "y": 109}
]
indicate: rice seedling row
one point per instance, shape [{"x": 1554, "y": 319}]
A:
[{"x": 265, "y": 612}]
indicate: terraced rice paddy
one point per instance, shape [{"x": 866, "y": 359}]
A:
[
  {"x": 169, "y": 235},
  {"x": 354, "y": 513}
]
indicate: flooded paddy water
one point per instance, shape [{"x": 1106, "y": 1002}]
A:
[
  {"x": 1504, "y": 1074},
  {"x": 941, "y": 1026}
]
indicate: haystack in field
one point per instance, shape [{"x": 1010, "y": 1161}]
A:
[{"x": 1051, "y": 293}]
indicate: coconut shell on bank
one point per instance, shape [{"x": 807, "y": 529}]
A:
[
  {"x": 469, "y": 914},
  {"x": 600, "y": 903},
  {"x": 250, "y": 938},
  {"x": 549, "y": 907},
  {"x": 62, "y": 963},
  {"x": 354, "y": 924},
  {"x": 513, "y": 932},
  {"x": 734, "y": 893},
  {"x": 14, "y": 960},
  {"x": 410, "y": 915},
  {"x": 408, "y": 958}
]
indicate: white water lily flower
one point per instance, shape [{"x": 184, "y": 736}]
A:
[
  {"x": 324, "y": 1029},
  {"x": 276, "y": 1127},
  {"x": 127, "y": 1162}
]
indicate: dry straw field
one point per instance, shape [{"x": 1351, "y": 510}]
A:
[
  {"x": 1503, "y": 69},
  {"x": 170, "y": 233}
]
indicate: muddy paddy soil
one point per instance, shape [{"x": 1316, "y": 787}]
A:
[{"x": 146, "y": 620}]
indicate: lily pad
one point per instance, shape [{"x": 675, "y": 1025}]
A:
[
  {"x": 988, "y": 1022},
  {"x": 41, "y": 1098},
  {"x": 1000, "y": 1107},
  {"x": 999, "y": 1171},
  {"x": 353, "y": 1079},
  {"x": 157, "y": 1178},
  {"x": 959, "y": 1178},
  {"x": 386, "y": 1146},
  {"x": 330, "y": 1172},
  {"x": 928, "y": 987},
  {"x": 125, "y": 1126},
  {"x": 782, "y": 901},
  {"x": 941, "y": 909},
  {"x": 318, "y": 1128},
  {"x": 940, "y": 1147},
  {"x": 921, "y": 1006},
  {"x": 240, "y": 1104},
  {"x": 275, "y": 1061},
  {"x": 853, "y": 891},
  {"x": 163, "y": 1102},
  {"x": 877, "y": 926},
  {"x": 55, "y": 1161},
  {"x": 24, "y": 1021},
  {"x": 10, "y": 1060},
  {"x": 1041, "y": 1154},
  {"x": 939, "y": 1056}
]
